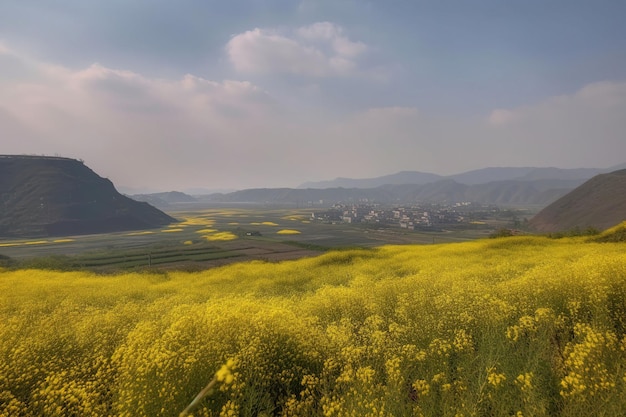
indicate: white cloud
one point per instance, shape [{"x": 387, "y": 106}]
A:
[
  {"x": 500, "y": 117},
  {"x": 586, "y": 126},
  {"x": 136, "y": 129},
  {"x": 192, "y": 131},
  {"x": 4, "y": 49},
  {"x": 318, "y": 50},
  {"x": 326, "y": 32},
  {"x": 596, "y": 100}
]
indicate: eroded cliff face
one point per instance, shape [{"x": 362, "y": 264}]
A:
[{"x": 53, "y": 196}]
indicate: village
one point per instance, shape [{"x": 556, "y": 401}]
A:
[{"x": 423, "y": 216}]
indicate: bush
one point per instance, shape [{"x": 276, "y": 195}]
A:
[
  {"x": 6, "y": 261},
  {"x": 52, "y": 263},
  {"x": 503, "y": 232},
  {"x": 575, "y": 232}
]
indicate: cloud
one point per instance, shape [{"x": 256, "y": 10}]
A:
[
  {"x": 190, "y": 131},
  {"x": 596, "y": 100},
  {"x": 4, "y": 49},
  {"x": 501, "y": 117},
  {"x": 135, "y": 128},
  {"x": 326, "y": 32},
  {"x": 317, "y": 50},
  {"x": 586, "y": 126}
]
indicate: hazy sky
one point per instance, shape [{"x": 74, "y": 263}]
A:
[{"x": 248, "y": 93}]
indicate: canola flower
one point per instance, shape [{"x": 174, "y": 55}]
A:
[
  {"x": 220, "y": 236},
  {"x": 522, "y": 326},
  {"x": 288, "y": 232},
  {"x": 195, "y": 221},
  {"x": 223, "y": 375},
  {"x": 206, "y": 230}
]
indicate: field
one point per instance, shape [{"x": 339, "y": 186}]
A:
[
  {"x": 212, "y": 237},
  {"x": 519, "y": 326}
]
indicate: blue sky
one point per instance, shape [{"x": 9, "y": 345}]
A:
[{"x": 249, "y": 93}]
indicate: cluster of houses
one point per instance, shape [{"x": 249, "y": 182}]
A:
[{"x": 411, "y": 217}]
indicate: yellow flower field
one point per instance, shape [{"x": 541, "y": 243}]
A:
[
  {"x": 220, "y": 236},
  {"x": 520, "y": 326},
  {"x": 288, "y": 232}
]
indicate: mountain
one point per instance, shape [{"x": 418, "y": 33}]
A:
[
  {"x": 486, "y": 175},
  {"x": 403, "y": 177},
  {"x": 163, "y": 200},
  {"x": 614, "y": 168},
  {"x": 536, "y": 193},
  {"x": 205, "y": 191},
  {"x": 493, "y": 185},
  {"x": 474, "y": 177},
  {"x": 560, "y": 174},
  {"x": 599, "y": 203},
  {"x": 53, "y": 196},
  {"x": 299, "y": 196},
  {"x": 513, "y": 192}
]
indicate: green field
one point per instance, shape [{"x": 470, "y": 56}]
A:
[{"x": 519, "y": 326}]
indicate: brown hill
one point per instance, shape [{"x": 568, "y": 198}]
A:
[
  {"x": 53, "y": 196},
  {"x": 599, "y": 203}
]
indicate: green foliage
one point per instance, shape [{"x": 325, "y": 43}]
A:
[
  {"x": 575, "y": 232},
  {"x": 614, "y": 234},
  {"x": 52, "y": 262},
  {"x": 6, "y": 261},
  {"x": 524, "y": 326},
  {"x": 502, "y": 232},
  {"x": 307, "y": 245},
  {"x": 115, "y": 260}
]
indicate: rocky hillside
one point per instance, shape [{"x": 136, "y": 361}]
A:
[
  {"x": 599, "y": 203},
  {"x": 52, "y": 196}
]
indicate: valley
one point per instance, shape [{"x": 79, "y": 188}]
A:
[{"x": 207, "y": 237}]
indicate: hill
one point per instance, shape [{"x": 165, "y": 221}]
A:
[
  {"x": 404, "y": 177},
  {"x": 599, "y": 203},
  {"x": 474, "y": 177},
  {"x": 535, "y": 192},
  {"x": 53, "y": 196},
  {"x": 164, "y": 200}
]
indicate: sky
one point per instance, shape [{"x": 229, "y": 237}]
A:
[{"x": 172, "y": 95}]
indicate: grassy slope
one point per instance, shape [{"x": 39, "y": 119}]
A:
[{"x": 516, "y": 326}]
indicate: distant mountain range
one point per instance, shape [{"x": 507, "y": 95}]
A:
[
  {"x": 518, "y": 186},
  {"x": 53, "y": 196},
  {"x": 404, "y": 177},
  {"x": 164, "y": 200},
  {"x": 474, "y": 177},
  {"x": 537, "y": 193},
  {"x": 599, "y": 203}
]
